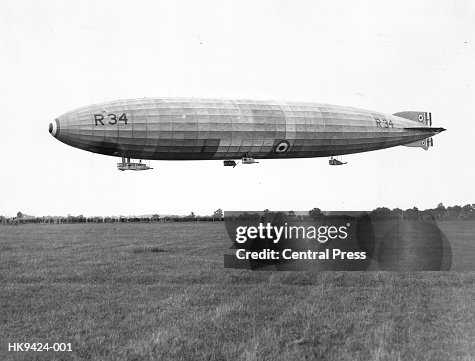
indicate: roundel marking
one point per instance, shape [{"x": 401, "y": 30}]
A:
[
  {"x": 421, "y": 117},
  {"x": 282, "y": 147}
]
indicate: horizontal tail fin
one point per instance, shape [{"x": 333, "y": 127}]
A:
[{"x": 426, "y": 129}]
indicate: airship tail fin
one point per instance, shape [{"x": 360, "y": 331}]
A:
[
  {"x": 424, "y": 144},
  {"x": 423, "y": 118}
]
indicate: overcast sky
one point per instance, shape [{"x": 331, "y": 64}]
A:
[{"x": 378, "y": 55}]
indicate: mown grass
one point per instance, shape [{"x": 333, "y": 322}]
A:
[{"x": 159, "y": 291}]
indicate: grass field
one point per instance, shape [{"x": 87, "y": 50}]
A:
[{"x": 159, "y": 291}]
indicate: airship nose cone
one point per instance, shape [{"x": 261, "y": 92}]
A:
[{"x": 54, "y": 128}]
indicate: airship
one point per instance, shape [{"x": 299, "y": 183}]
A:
[{"x": 235, "y": 130}]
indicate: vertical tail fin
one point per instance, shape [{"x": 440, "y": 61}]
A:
[
  {"x": 424, "y": 118},
  {"x": 424, "y": 143}
]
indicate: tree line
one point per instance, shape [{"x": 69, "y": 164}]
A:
[
  {"x": 23, "y": 218},
  {"x": 441, "y": 213}
]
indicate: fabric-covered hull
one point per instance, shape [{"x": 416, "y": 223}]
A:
[{"x": 192, "y": 129}]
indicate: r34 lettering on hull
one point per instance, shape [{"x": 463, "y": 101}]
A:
[{"x": 228, "y": 130}]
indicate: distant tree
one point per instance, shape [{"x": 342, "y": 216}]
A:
[
  {"x": 155, "y": 218},
  {"x": 453, "y": 212},
  {"x": 397, "y": 213},
  {"x": 411, "y": 213},
  {"x": 19, "y": 215},
  {"x": 427, "y": 214},
  {"x": 440, "y": 211},
  {"x": 315, "y": 214},
  {"x": 255, "y": 217},
  {"x": 291, "y": 214},
  {"x": 267, "y": 215},
  {"x": 467, "y": 212},
  {"x": 467, "y": 208},
  {"x": 279, "y": 218},
  {"x": 218, "y": 213},
  {"x": 381, "y": 213}
]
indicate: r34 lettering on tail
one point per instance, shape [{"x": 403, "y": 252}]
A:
[{"x": 111, "y": 118}]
